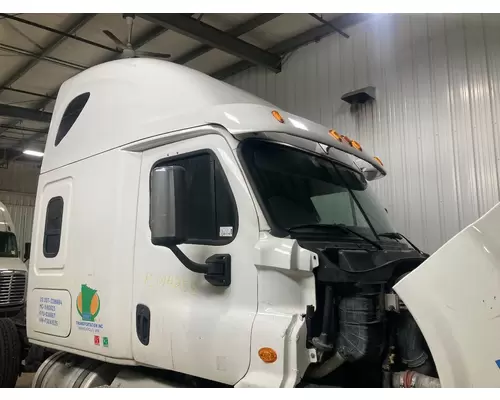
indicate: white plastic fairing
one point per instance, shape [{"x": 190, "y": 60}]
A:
[
  {"x": 286, "y": 288},
  {"x": 369, "y": 171},
  {"x": 455, "y": 298},
  {"x": 152, "y": 97}
]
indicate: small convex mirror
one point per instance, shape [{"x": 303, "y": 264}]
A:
[
  {"x": 168, "y": 213},
  {"x": 27, "y": 251}
]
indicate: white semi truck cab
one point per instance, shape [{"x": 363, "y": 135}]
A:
[
  {"x": 13, "y": 280},
  {"x": 188, "y": 233},
  {"x": 13, "y": 272}
]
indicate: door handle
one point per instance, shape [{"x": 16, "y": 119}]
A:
[{"x": 143, "y": 323}]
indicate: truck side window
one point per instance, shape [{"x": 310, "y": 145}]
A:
[
  {"x": 212, "y": 210},
  {"x": 53, "y": 224},
  {"x": 72, "y": 112}
]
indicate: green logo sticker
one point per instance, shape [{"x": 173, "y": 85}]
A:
[
  {"x": 105, "y": 341},
  {"x": 88, "y": 303}
]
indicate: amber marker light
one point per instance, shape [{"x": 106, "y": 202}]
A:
[
  {"x": 379, "y": 161},
  {"x": 278, "y": 117},
  {"x": 268, "y": 355},
  {"x": 335, "y": 135}
]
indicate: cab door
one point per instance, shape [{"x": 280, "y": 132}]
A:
[{"x": 183, "y": 323}]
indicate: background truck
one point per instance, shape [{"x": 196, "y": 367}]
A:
[
  {"x": 16, "y": 354},
  {"x": 13, "y": 280},
  {"x": 188, "y": 233}
]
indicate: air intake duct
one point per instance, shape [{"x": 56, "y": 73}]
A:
[{"x": 360, "y": 332}]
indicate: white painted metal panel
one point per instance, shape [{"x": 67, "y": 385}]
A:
[{"x": 434, "y": 122}]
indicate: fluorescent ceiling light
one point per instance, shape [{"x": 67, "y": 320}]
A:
[{"x": 33, "y": 153}]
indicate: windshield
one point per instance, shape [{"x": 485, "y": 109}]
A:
[
  {"x": 8, "y": 245},
  {"x": 298, "y": 188}
]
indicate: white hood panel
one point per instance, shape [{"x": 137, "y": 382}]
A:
[{"x": 455, "y": 298}]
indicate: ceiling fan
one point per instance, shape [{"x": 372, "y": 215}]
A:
[{"x": 127, "y": 50}]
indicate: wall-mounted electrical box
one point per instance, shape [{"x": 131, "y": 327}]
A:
[{"x": 360, "y": 96}]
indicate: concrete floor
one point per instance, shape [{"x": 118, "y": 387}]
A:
[{"x": 24, "y": 380}]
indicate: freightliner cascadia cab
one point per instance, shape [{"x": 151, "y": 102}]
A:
[{"x": 188, "y": 233}]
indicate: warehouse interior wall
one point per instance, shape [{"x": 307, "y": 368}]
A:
[
  {"x": 434, "y": 122},
  {"x": 18, "y": 184}
]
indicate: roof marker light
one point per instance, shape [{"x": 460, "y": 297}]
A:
[
  {"x": 379, "y": 161},
  {"x": 346, "y": 139},
  {"x": 278, "y": 117},
  {"x": 335, "y": 135},
  {"x": 356, "y": 145}
]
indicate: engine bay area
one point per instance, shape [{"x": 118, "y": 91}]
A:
[{"x": 364, "y": 334}]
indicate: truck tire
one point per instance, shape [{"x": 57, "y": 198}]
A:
[{"x": 10, "y": 353}]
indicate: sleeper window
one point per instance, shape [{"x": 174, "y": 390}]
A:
[
  {"x": 212, "y": 216},
  {"x": 72, "y": 112},
  {"x": 53, "y": 225}
]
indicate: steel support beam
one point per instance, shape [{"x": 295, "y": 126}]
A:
[
  {"x": 288, "y": 45},
  {"x": 9, "y": 154},
  {"x": 141, "y": 41},
  {"x": 62, "y": 33},
  {"x": 11, "y": 89},
  {"x": 46, "y": 51},
  {"x": 24, "y": 113},
  {"x": 215, "y": 38},
  {"x": 239, "y": 30},
  {"x": 24, "y": 129},
  {"x": 37, "y": 108},
  {"x": 23, "y": 144},
  {"x": 53, "y": 60},
  {"x": 325, "y": 22},
  {"x": 149, "y": 36},
  {"x": 44, "y": 56}
]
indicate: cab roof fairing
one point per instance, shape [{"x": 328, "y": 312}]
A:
[{"x": 136, "y": 99}]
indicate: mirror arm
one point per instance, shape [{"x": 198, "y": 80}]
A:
[
  {"x": 217, "y": 269},
  {"x": 189, "y": 264}
]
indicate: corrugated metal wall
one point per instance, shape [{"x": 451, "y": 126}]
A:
[
  {"x": 434, "y": 122},
  {"x": 18, "y": 185}
]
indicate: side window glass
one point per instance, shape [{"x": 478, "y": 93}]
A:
[
  {"x": 212, "y": 210},
  {"x": 53, "y": 225},
  {"x": 72, "y": 112}
]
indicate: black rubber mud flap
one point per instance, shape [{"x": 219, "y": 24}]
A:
[{"x": 10, "y": 353}]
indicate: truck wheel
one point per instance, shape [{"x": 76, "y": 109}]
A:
[{"x": 10, "y": 353}]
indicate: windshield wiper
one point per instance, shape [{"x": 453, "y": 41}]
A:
[
  {"x": 399, "y": 236},
  {"x": 338, "y": 227}
]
